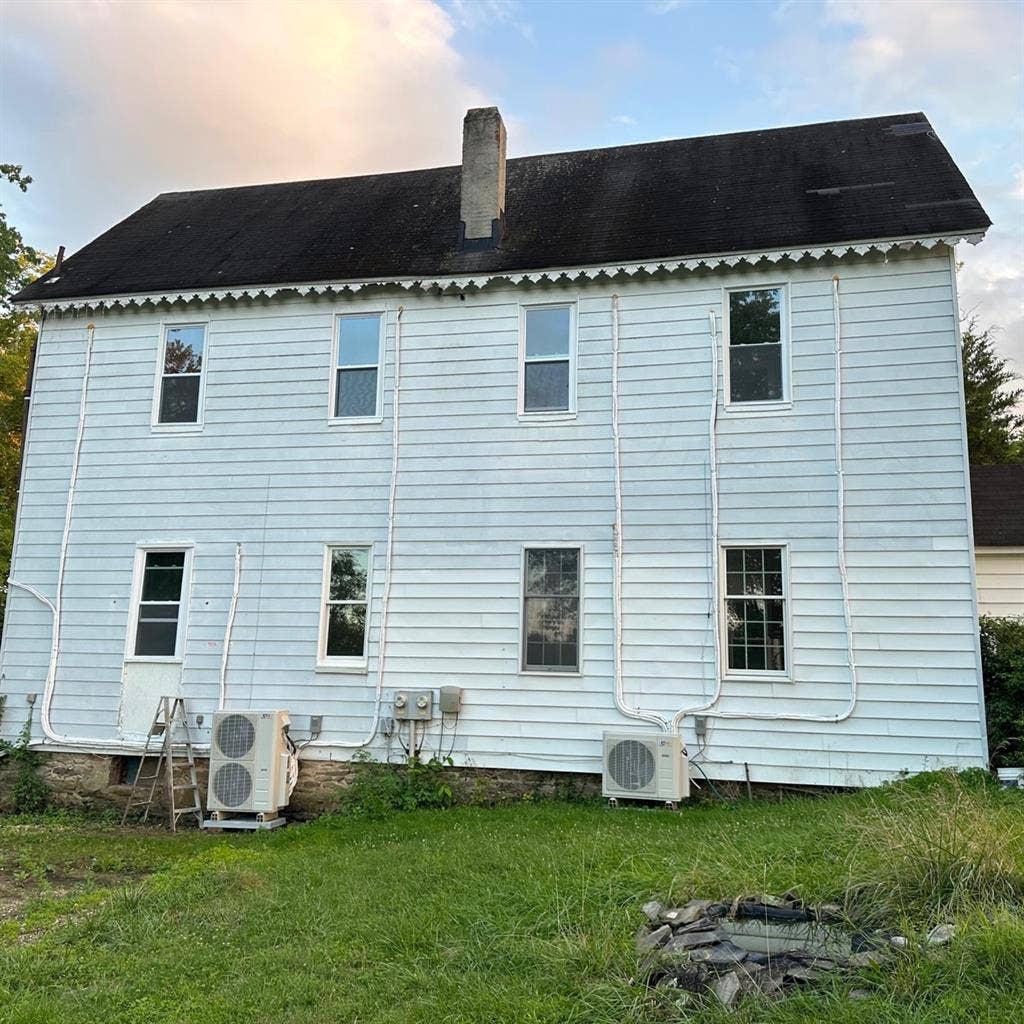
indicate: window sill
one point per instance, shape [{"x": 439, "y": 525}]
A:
[
  {"x": 153, "y": 659},
  {"x": 758, "y": 677},
  {"x": 354, "y": 668},
  {"x": 354, "y": 421},
  {"x": 176, "y": 428},
  {"x": 550, "y": 675},
  {"x": 546, "y": 417},
  {"x": 740, "y": 409}
]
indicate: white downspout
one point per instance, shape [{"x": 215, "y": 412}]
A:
[
  {"x": 390, "y": 549},
  {"x": 620, "y": 703},
  {"x": 841, "y": 554}
]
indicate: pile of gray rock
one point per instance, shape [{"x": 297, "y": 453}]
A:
[{"x": 763, "y": 945}]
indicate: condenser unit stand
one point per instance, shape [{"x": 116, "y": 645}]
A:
[{"x": 221, "y": 820}]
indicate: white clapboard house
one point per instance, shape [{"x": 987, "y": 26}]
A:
[{"x": 656, "y": 438}]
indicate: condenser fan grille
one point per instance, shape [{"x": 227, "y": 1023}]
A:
[
  {"x": 235, "y": 736},
  {"x": 232, "y": 784},
  {"x": 631, "y": 765}
]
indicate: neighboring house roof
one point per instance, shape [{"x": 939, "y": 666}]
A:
[
  {"x": 841, "y": 181},
  {"x": 997, "y": 497}
]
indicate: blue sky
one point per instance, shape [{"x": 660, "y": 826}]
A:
[{"x": 109, "y": 103}]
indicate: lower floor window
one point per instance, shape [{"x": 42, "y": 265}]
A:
[
  {"x": 346, "y": 602},
  {"x": 755, "y": 609},
  {"x": 551, "y": 609},
  {"x": 158, "y": 611}
]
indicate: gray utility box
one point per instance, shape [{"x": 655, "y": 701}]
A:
[{"x": 414, "y": 705}]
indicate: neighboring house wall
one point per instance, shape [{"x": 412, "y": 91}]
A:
[
  {"x": 1000, "y": 581},
  {"x": 476, "y": 485}
]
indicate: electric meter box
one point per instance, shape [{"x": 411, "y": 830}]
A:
[{"x": 414, "y": 705}]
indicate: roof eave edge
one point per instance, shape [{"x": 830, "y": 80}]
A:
[{"x": 462, "y": 281}]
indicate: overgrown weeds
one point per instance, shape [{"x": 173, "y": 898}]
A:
[
  {"x": 29, "y": 792},
  {"x": 377, "y": 790},
  {"x": 937, "y": 846}
]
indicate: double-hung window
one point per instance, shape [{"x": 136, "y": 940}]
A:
[
  {"x": 547, "y": 372},
  {"x": 356, "y": 383},
  {"x": 345, "y": 606},
  {"x": 551, "y": 610},
  {"x": 757, "y": 346},
  {"x": 161, "y": 586},
  {"x": 755, "y": 610},
  {"x": 179, "y": 400}
]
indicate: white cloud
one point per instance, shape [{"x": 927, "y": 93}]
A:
[
  {"x": 107, "y": 104},
  {"x": 629, "y": 122},
  {"x": 960, "y": 63},
  {"x": 480, "y": 14}
]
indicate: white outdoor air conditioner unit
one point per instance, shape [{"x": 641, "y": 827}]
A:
[
  {"x": 249, "y": 761},
  {"x": 644, "y": 766}
]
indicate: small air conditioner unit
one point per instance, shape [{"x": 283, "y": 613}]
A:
[
  {"x": 645, "y": 766},
  {"x": 249, "y": 761}
]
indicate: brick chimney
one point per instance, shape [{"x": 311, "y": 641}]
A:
[{"x": 482, "y": 212}]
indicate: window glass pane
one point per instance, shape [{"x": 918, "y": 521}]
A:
[
  {"x": 179, "y": 400},
  {"x": 547, "y": 332},
  {"x": 755, "y": 317},
  {"x": 737, "y": 657},
  {"x": 547, "y": 387},
  {"x": 755, "y": 373},
  {"x": 161, "y": 583},
  {"x": 551, "y": 609},
  {"x": 156, "y": 638},
  {"x": 357, "y": 393},
  {"x": 348, "y": 574},
  {"x": 165, "y": 559},
  {"x": 183, "y": 349},
  {"x": 734, "y": 560},
  {"x": 346, "y": 626},
  {"x": 755, "y": 623},
  {"x": 165, "y": 611},
  {"x": 359, "y": 340}
]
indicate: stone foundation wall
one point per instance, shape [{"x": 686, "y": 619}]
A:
[{"x": 97, "y": 782}]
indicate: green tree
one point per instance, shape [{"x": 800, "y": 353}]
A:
[
  {"x": 995, "y": 426},
  {"x": 19, "y": 264}
]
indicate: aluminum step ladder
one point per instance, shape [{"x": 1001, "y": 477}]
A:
[{"x": 170, "y": 755}]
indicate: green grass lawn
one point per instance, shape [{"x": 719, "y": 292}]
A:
[{"x": 510, "y": 914}]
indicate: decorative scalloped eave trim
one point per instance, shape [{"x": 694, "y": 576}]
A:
[{"x": 551, "y": 275}]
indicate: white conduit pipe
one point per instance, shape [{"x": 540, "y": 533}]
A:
[
  {"x": 390, "y": 547},
  {"x": 713, "y": 560},
  {"x": 229, "y": 628},
  {"x": 620, "y": 702},
  {"x": 56, "y": 606},
  {"x": 840, "y": 550}
]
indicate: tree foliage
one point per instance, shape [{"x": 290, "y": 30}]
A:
[
  {"x": 19, "y": 264},
  {"x": 995, "y": 426}
]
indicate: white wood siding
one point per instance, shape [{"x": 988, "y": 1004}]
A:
[
  {"x": 476, "y": 484},
  {"x": 1000, "y": 581}
]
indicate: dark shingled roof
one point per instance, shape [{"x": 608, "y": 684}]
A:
[
  {"x": 997, "y": 498},
  {"x": 689, "y": 197}
]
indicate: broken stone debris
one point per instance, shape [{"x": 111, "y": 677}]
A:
[{"x": 690, "y": 948}]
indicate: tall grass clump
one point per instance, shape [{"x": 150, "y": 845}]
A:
[{"x": 936, "y": 846}]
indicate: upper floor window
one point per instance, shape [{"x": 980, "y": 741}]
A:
[
  {"x": 547, "y": 371},
  {"x": 756, "y": 365},
  {"x": 755, "y": 610},
  {"x": 180, "y": 392},
  {"x": 551, "y": 610},
  {"x": 344, "y": 610},
  {"x": 356, "y": 385},
  {"x": 161, "y": 582}
]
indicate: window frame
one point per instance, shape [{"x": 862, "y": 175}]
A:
[
  {"x": 557, "y": 545},
  {"x": 775, "y": 404},
  {"x": 348, "y": 663},
  {"x": 184, "y": 602},
  {"x": 550, "y": 415},
  {"x": 155, "y": 423},
  {"x": 755, "y": 674},
  {"x": 335, "y": 353}
]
